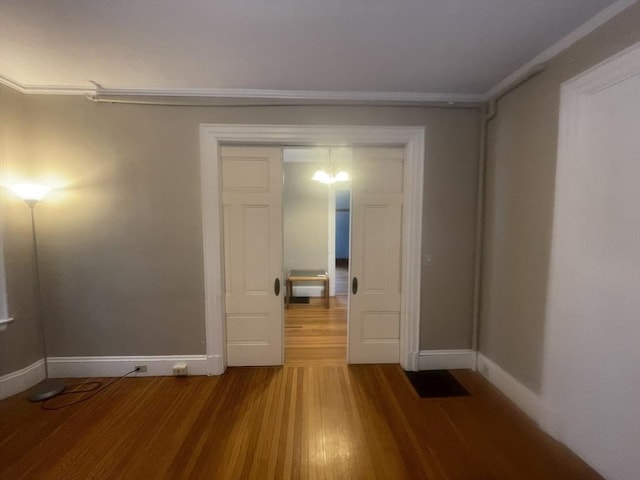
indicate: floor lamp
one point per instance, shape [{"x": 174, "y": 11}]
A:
[{"x": 50, "y": 387}]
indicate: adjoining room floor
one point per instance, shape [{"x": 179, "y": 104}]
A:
[
  {"x": 341, "y": 282},
  {"x": 315, "y": 335},
  {"x": 298, "y": 422}
]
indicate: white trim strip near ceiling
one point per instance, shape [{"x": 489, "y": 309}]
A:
[
  {"x": 45, "y": 89},
  {"x": 333, "y": 96},
  {"x": 249, "y": 94},
  {"x": 308, "y": 95}
]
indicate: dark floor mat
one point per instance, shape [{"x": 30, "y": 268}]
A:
[{"x": 436, "y": 383}]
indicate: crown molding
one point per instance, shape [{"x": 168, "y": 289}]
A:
[
  {"x": 12, "y": 84},
  {"x": 564, "y": 43},
  {"x": 45, "y": 89},
  {"x": 106, "y": 94}
]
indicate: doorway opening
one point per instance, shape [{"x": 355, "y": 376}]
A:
[
  {"x": 212, "y": 136},
  {"x": 315, "y": 242}
]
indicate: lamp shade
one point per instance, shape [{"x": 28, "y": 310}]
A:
[{"x": 30, "y": 191}]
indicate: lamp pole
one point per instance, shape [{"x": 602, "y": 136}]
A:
[{"x": 49, "y": 387}]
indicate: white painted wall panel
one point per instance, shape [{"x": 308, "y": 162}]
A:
[{"x": 592, "y": 375}]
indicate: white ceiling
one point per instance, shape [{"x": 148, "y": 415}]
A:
[{"x": 420, "y": 46}]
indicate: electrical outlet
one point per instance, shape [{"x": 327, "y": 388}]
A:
[
  {"x": 180, "y": 370},
  {"x": 141, "y": 368}
]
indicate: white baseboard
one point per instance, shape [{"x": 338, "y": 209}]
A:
[
  {"x": 412, "y": 362},
  {"x": 217, "y": 366},
  {"x": 525, "y": 399},
  {"x": 67, "y": 367},
  {"x": 446, "y": 359},
  {"x": 21, "y": 380},
  {"x": 157, "y": 366},
  {"x": 549, "y": 420}
]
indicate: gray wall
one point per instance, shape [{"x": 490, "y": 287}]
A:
[
  {"x": 20, "y": 343},
  {"x": 305, "y": 219},
  {"x": 519, "y": 210},
  {"x": 448, "y": 231},
  {"x": 122, "y": 244}
]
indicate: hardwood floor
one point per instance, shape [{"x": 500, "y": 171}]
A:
[
  {"x": 314, "y": 418},
  {"x": 299, "y": 422},
  {"x": 315, "y": 335}
]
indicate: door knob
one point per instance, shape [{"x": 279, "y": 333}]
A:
[
  {"x": 276, "y": 287},
  {"x": 354, "y": 285}
]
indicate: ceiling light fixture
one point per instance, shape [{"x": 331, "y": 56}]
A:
[{"x": 331, "y": 174}]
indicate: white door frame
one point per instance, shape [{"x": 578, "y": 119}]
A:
[
  {"x": 562, "y": 352},
  {"x": 212, "y": 135}
]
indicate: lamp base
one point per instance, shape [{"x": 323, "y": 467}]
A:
[{"x": 48, "y": 388}]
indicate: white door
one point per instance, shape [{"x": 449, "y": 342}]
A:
[
  {"x": 376, "y": 235},
  {"x": 252, "y": 215}
]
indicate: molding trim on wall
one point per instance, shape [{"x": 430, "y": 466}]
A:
[
  {"x": 45, "y": 89},
  {"x": 216, "y": 364},
  {"x": 295, "y": 95},
  {"x": 446, "y": 359},
  {"x": 549, "y": 419},
  {"x": 157, "y": 366},
  {"x": 21, "y": 380},
  {"x": 66, "y": 367},
  {"x": 413, "y": 139},
  {"x": 115, "y": 94},
  {"x": 561, "y": 45},
  {"x": 513, "y": 389}
]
